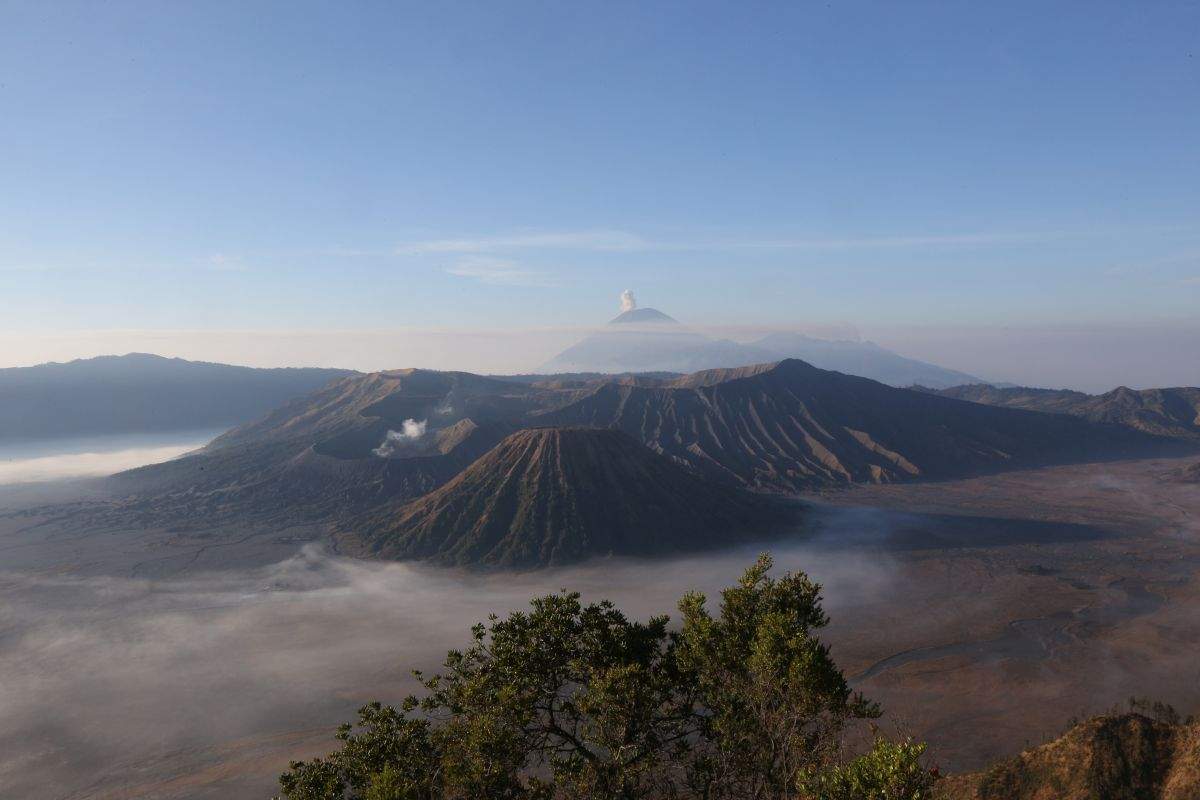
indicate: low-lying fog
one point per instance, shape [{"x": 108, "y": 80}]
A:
[
  {"x": 110, "y": 680},
  {"x": 107, "y": 675},
  {"x": 39, "y": 462},
  {"x": 205, "y": 684}
]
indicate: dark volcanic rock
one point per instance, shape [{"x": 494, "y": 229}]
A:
[
  {"x": 790, "y": 426},
  {"x": 387, "y": 438},
  {"x": 555, "y": 495},
  {"x": 318, "y": 458}
]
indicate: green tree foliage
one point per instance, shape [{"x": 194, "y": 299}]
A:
[
  {"x": 569, "y": 700},
  {"x": 773, "y": 702},
  {"x": 390, "y": 757},
  {"x": 890, "y": 771}
]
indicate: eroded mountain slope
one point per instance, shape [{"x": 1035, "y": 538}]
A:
[
  {"x": 390, "y": 437},
  {"x": 1171, "y": 412},
  {"x": 790, "y": 426},
  {"x": 554, "y": 495}
]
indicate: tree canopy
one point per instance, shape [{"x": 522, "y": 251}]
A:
[{"x": 568, "y": 700}]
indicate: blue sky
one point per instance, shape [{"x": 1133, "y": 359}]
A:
[{"x": 231, "y": 165}]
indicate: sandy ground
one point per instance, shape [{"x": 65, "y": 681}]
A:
[
  {"x": 984, "y": 649},
  {"x": 984, "y": 614}
]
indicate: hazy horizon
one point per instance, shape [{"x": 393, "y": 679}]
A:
[{"x": 1085, "y": 357}]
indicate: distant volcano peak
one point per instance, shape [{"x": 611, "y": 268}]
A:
[{"x": 643, "y": 315}]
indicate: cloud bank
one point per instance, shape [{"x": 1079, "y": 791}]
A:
[
  {"x": 112, "y": 682},
  {"x": 40, "y": 469}
]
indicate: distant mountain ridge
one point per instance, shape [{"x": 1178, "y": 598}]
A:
[
  {"x": 864, "y": 359},
  {"x": 781, "y": 427},
  {"x": 138, "y": 393},
  {"x": 789, "y": 426},
  {"x": 658, "y": 347},
  {"x": 641, "y": 350},
  {"x": 651, "y": 316},
  {"x": 1164, "y": 412}
]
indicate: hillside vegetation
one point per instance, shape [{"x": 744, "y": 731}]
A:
[
  {"x": 1128, "y": 756},
  {"x": 568, "y": 700}
]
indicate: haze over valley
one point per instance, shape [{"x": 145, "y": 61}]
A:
[{"x": 107, "y": 631}]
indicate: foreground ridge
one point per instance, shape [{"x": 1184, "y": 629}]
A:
[{"x": 1116, "y": 757}]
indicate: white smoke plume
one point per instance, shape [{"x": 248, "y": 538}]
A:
[
  {"x": 628, "y": 303},
  {"x": 446, "y": 407},
  {"x": 411, "y": 431}
]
